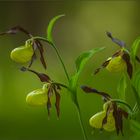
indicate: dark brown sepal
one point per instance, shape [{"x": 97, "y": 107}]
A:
[
  {"x": 41, "y": 50},
  {"x": 116, "y": 117},
  {"x": 43, "y": 77},
  {"x": 87, "y": 89},
  {"x": 102, "y": 66},
  {"x": 49, "y": 94},
  {"x": 118, "y": 53},
  {"x": 105, "y": 118},
  {"x": 126, "y": 58},
  {"x": 118, "y": 114},
  {"x": 15, "y": 30},
  {"x": 57, "y": 102}
]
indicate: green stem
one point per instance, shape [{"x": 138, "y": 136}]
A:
[
  {"x": 136, "y": 96},
  {"x": 56, "y": 50},
  {"x": 81, "y": 124},
  {"x": 75, "y": 101},
  {"x": 80, "y": 117},
  {"x": 62, "y": 85}
]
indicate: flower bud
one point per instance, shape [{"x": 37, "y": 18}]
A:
[
  {"x": 22, "y": 54},
  {"x": 37, "y": 98},
  {"x": 116, "y": 64}
]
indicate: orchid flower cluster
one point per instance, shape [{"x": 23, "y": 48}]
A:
[
  {"x": 27, "y": 54},
  {"x": 112, "y": 116}
]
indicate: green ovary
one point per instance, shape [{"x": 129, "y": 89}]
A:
[
  {"x": 37, "y": 98},
  {"x": 116, "y": 64},
  {"x": 22, "y": 54}
]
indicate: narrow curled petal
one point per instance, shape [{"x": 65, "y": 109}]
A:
[
  {"x": 41, "y": 50},
  {"x": 34, "y": 54},
  {"x": 57, "y": 102},
  {"x": 102, "y": 66},
  {"x": 118, "y": 114},
  {"x": 126, "y": 58},
  {"x": 49, "y": 104},
  {"x": 32, "y": 60}
]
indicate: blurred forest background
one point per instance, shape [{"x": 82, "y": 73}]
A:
[{"x": 82, "y": 28}]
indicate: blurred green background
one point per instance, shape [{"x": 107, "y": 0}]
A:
[{"x": 82, "y": 28}]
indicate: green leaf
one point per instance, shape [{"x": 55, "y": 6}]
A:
[
  {"x": 84, "y": 57},
  {"x": 73, "y": 81},
  {"x": 122, "y": 85},
  {"x": 80, "y": 63},
  {"x": 134, "y": 48},
  {"x": 136, "y": 82},
  {"x": 135, "y": 126},
  {"x": 50, "y": 27},
  {"x": 136, "y": 87}
]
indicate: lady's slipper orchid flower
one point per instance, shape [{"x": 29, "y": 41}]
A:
[
  {"x": 38, "y": 97},
  {"x": 111, "y": 117},
  {"x": 42, "y": 96},
  {"x": 104, "y": 119},
  {"x": 27, "y": 52},
  {"x": 118, "y": 62}
]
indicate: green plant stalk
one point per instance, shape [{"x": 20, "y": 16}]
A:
[
  {"x": 75, "y": 101},
  {"x": 56, "y": 50},
  {"x": 136, "y": 96},
  {"x": 66, "y": 73},
  {"x": 81, "y": 123}
]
